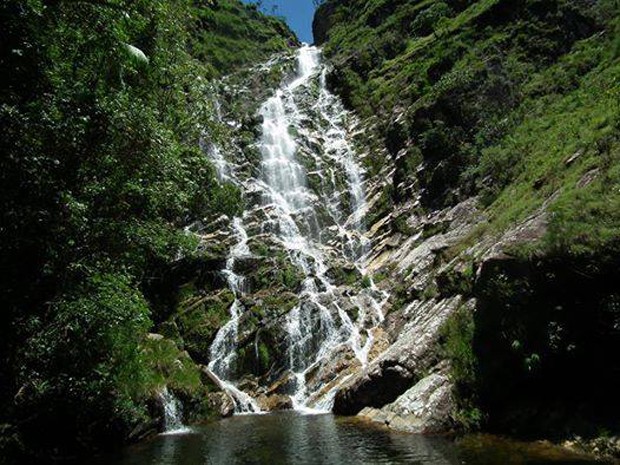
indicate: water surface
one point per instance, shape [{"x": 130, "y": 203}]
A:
[{"x": 291, "y": 438}]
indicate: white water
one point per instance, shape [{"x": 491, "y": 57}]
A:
[
  {"x": 319, "y": 326},
  {"x": 173, "y": 414},
  {"x": 223, "y": 352},
  {"x": 312, "y": 203}
]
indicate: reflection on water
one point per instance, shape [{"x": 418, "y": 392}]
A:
[{"x": 290, "y": 438}]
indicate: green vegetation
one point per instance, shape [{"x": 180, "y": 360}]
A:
[
  {"x": 518, "y": 104},
  {"x": 540, "y": 327},
  {"x": 102, "y": 109},
  {"x": 198, "y": 319},
  {"x": 474, "y": 85},
  {"x": 230, "y": 34},
  {"x": 458, "y": 279},
  {"x": 457, "y": 337}
]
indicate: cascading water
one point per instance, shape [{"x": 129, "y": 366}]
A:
[
  {"x": 224, "y": 348},
  {"x": 311, "y": 204},
  {"x": 318, "y": 326},
  {"x": 223, "y": 351},
  {"x": 173, "y": 416}
]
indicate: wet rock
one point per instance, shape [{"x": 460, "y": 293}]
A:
[
  {"x": 248, "y": 265},
  {"x": 144, "y": 430},
  {"x": 222, "y": 403},
  {"x": 381, "y": 343},
  {"x": 425, "y": 408},
  {"x": 275, "y": 402},
  {"x": 402, "y": 365},
  {"x": 285, "y": 385},
  {"x": 326, "y": 372},
  {"x": 375, "y": 388}
]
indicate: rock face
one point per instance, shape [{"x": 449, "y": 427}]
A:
[
  {"x": 275, "y": 402},
  {"x": 396, "y": 275},
  {"x": 322, "y": 22},
  {"x": 402, "y": 364},
  {"x": 425, "y": 408},
  {"x": 301, "y": 313}
]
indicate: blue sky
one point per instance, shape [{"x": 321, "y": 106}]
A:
[{"x": 298, "y": 14}]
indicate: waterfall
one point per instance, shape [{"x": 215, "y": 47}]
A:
[
  {"x": 319, "y": 325},
  {"x": 173, "y": 413},
  {"x": 308, "y": 197}
]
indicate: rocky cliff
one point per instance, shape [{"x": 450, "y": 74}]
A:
[
  {"x": 430, "y": 222},
  {"x": 478, "y": 289},
  {"x": 491, "y": 132}
]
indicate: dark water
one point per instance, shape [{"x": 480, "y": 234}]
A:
[{"x": 289, "y": 438}]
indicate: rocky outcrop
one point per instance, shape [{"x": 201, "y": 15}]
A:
[
  {"x": 221, "y": 403},
  {"x": 425, "y": 408},
  {"x": 403, "y": 363},
  {"x": 322, "y": 22},
  {"x": 275, "y": 402},
  {"x": 429, "y": 249}
]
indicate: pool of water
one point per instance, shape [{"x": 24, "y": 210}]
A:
[{"x": 290, "y": 438}]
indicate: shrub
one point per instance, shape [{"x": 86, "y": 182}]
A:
[
  {"x": 81, "y": 374},
  {"x": 457, "y": 337}
]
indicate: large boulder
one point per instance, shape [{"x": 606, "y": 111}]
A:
[
  {"x": 403, "y": 364},
  {"x": 221, "y": 403},
  {"x": 425, "y": 408},
  {"x": 275, "y": 402}
]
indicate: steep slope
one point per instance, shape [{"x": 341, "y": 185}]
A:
[
  {"x": 229, "y": 34},
  {"x": 303, "y": 315},
  {"x": 492, "y": 128}
]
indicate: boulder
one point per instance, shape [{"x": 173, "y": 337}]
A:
[
  {"x": 425, "y": 408},
  {"x": 222, "y": 403},
  {"x": 402, "y": 365},
  {"x": 275, "y": 402}
]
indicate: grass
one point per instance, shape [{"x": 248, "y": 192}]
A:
[
  {"x": 583, "y": 123},
  {"x": 231, "y": 35},
  {"x": 168, "y": 366},
  {"x": 496, "y": 99}
]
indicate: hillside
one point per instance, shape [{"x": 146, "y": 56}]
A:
[
  {"x": 500, "y": 120},
  {"x": 415, "y": 223}
]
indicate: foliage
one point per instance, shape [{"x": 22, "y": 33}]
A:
[
  {"x": 541, "y": 324},
  {"x": 516, "y": 103},
  {"x": 469, "y": 76},
  {"x": 229, "y": 35},
  {"x": 166, "y": 365},
  {"x": 457, "y": 336},
  {"x": 102, "y": 109},
  {"x": 84, "y": 364}
]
